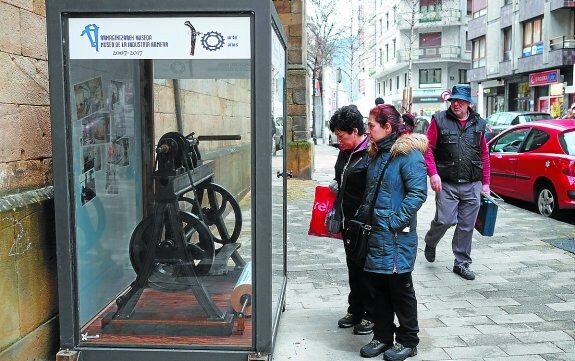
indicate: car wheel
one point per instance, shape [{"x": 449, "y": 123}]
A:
[{"x": 547, "y": 200}]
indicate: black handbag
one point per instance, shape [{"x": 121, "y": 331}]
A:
[{"x": 357, "y": 233}]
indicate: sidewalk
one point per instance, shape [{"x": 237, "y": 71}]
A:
[{"x": 521, "y": 306}]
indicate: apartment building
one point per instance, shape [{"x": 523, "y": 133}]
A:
[
  {"x": 523, "y": 55},
  {"x": 424, "y": 38}
]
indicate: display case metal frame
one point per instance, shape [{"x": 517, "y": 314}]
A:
[{"x": 265, "y": 318}]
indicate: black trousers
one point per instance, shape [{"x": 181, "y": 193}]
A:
[
  {"x": 394, "y": 295},
  {"x": 360, "y": 302}
]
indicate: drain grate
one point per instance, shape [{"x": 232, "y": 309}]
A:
[{"x": 566, "y": 244}]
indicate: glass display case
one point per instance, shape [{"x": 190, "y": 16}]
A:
[{"x": 169, "y": 178}]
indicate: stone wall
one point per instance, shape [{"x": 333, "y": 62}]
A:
[
  {"x": 28, "y": 289},
  {"x": 299, "y": 156},
  {"x": 25, "y": 132}
]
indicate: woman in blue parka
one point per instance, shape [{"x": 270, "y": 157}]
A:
[{"x": 392, "y": 245}]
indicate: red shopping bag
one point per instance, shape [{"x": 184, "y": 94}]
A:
[{"x": 323, "y": 202}]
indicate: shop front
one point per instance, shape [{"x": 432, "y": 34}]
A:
[{"x": 549, "y": 92}]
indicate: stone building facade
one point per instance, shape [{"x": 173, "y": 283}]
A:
[{"x": 29, "y": 307}]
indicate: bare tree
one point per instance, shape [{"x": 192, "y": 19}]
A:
[
  {"x": 349, "y": 47},
  {"x": 408, "y": 14},
  {"x": 323, "y": 34}
]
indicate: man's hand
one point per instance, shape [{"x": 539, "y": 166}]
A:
[
  {"x": 485, "y": 189},
  {"x": 435, "y": 181}
]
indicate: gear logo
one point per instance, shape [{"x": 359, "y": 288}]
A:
[{"x": 212, "y": 41}]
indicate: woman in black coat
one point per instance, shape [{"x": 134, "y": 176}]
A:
[{"x": 350, "y": 180}]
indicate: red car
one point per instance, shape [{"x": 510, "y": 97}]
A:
[{"x": 535, "y": 162}]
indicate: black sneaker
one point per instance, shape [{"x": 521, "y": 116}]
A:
[
  {"x": 365, "y": 327},
  {"x": 464, "y": 272},
  {"x": 429, "y": 253},
  {"x": 374, "y": 348},
  {"x": 399, "y": 352},
  {"x": 348, "y": 320}
]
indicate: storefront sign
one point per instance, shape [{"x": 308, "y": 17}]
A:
[
  {"x": 544, "y": 78},
  {"x": 160, "y": 38},
  {"x": 427, "y": 99}
]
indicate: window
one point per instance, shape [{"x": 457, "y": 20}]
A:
[
  {"x": 532, "y": 37},
  {"x": 478, "y": 53},
  {"x": 380, "y": 56},
  {"x": 397, "y": 82},
  {"x": 510, "y": 142},
  {"x": 469, "y": 7},
  {"x": 387, "y": 21},
  {"x": 507, "y": 41},
  {"x": 379, "y": 88},
  {"x": 429, "y": 40},
  {"x": 386, "y": 53},
  {"x": 405, "y": 80},
  {"x": 381, "y": 26},
  {"x": 394, "y": 49},
  {"x": 507, "y": 2},
  {"x": 429, "y": 77},
  {"x": 390, "y": 82},
  {"x": 462, "y": 76},
  {"x": 479, "y": 8},
  {"x": 429, "y": 5},
  {"x": 468, "y": 43}
]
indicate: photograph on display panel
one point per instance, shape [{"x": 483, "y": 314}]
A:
[{"x": 89, "y": 97}]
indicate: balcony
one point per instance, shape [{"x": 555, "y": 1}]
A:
[
  {"x": 562, "y": 42},
  {"x": 562, "y": 4},
  {"x": 430, "y": 53},
  {"x": 442, "y": 17},
  {"x": 477, "y": 27},
  {"x": 562, "y": 50},
  {"x": 477, "y": 74},
  {"x": 506, "y": 17}
]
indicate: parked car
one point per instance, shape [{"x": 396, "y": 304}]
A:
[
  {"x": 535, "y": 162},
  {"x": 497, "y": 122},
  {"x": 421, "y": 124}
]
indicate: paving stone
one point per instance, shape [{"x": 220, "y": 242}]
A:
[
  {"x": 516, "y": 318},
  {"x": 563, "y": 306},
  {"x": 494, "y": 302},
  {"x": 515, "y": 358},
  {"x": 489, "y": 339},
  {"x": 567, "y": 346},
  {"x": 534, "y": 337},
  {"x": 559, "y": 357},
  {"x": 459, "y": 353},
  {"x": 480, "y": 311},
  {"x": 508, "y": 328},
  {"x": 450, "y": 331},
  {"x": 530, "y": 349},
  {"x": 467, "y": 321}
]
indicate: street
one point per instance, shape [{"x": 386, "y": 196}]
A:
[{"x": 521, "y": 306}]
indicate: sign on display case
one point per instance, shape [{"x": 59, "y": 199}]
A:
[
  {"x": 155, "y": 124},
  {"x": 160, "y": 38}
]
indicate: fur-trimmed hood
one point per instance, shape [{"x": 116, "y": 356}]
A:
[{"x": 408, "y": 142}]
